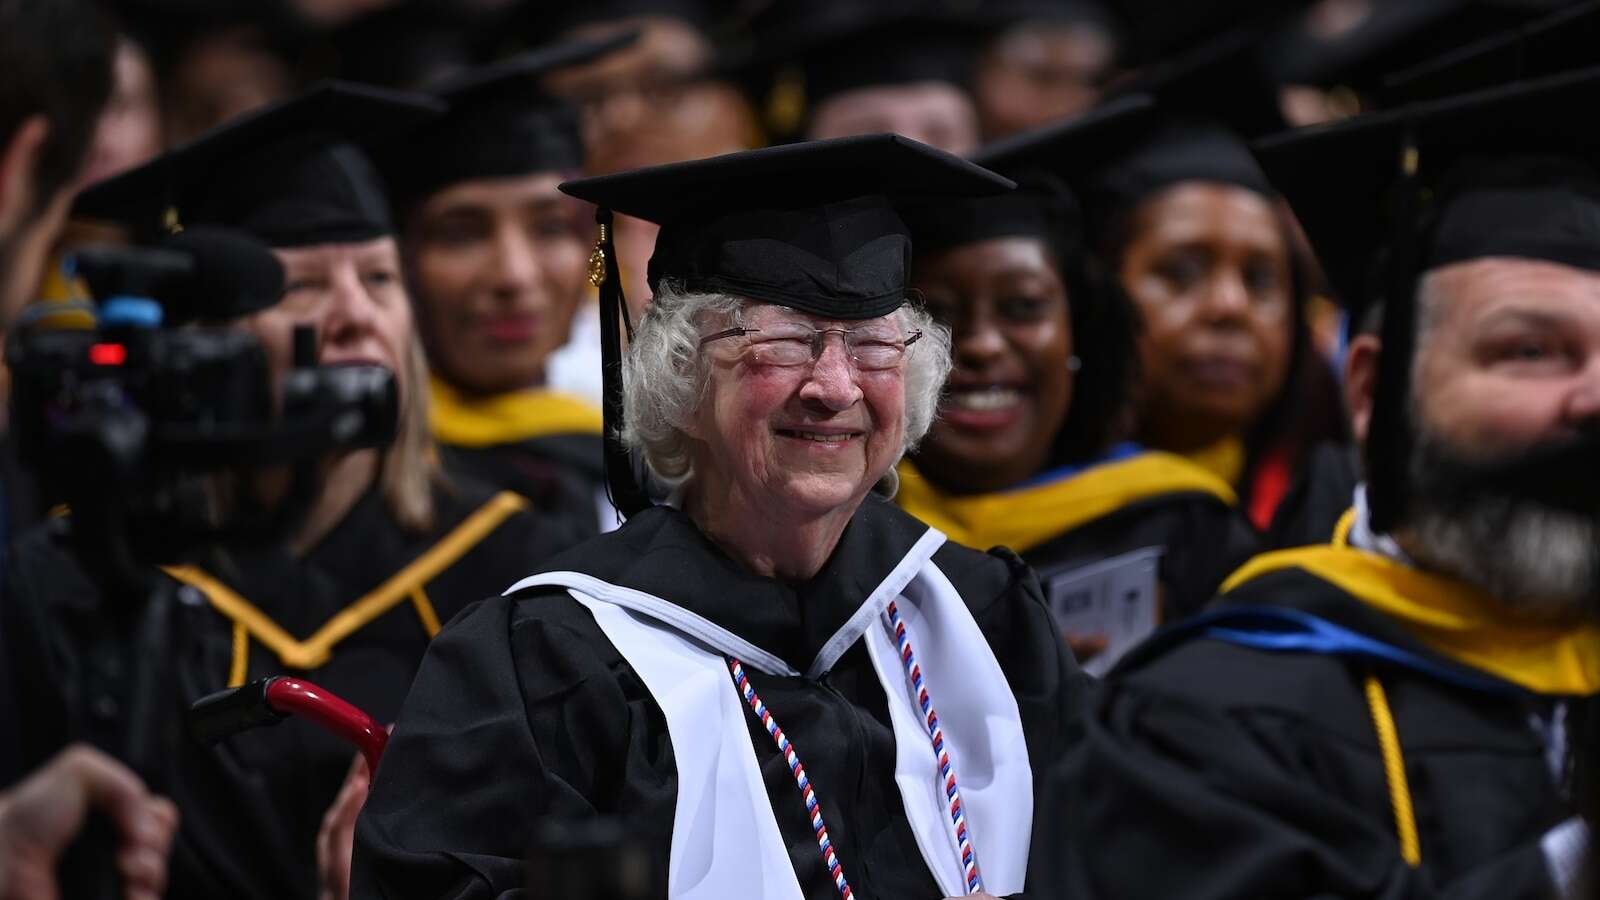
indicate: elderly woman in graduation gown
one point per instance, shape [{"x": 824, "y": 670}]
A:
[{"x": 814, "y": 694}]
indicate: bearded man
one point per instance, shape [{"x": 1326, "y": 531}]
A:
[{"x": 1388, "y": 715}]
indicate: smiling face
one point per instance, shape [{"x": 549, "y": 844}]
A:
[
  {"x": 499, "y": 268},
  {"x": 1208, "y": 267},
  {"x": 352, "y": 294},
  {"x": 796, "y": 442},
  {"x": 1011, "y": 335}
]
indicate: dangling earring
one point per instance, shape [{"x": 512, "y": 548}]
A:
[{"x": 1074, "y": 363}]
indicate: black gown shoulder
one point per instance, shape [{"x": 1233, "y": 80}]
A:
[
  {"x": 251, "y": 805},
  {"x": 1250, "y": 773},
  {"x": 562, "y": 475}
]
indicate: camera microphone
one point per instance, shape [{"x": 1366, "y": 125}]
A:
[{"x": 232, "y": 274}]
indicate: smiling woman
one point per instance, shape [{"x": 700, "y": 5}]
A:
[
  {"x": 776, "y": 379},
  {"x": 669, "y": 378},
  {"x": 1029, "y": 452}
]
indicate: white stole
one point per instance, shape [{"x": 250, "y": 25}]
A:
[{"x": 725, "y": 839}]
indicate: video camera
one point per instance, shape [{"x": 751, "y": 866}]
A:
[{"x": 130, "y": 408}]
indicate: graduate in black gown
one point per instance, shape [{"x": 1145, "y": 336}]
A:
[
  {"x": 497, "y": 260},
  {"x": 387, "y": 551},
  {"x": 1180, "y": 214},
  {"x": 654, "y": 673},
  {"x": 1393, "y": 714},
  {"x": 1029, "y": 450}
]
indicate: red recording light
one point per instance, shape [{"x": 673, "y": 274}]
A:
[{"x": 108, "y": 354}]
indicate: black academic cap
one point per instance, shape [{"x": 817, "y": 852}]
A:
[
  {"x": 1221, "y": 78},
  {"x": 810, "y": 226},
  {"x": 1391, "y": 36},
  {"x": 1558, "y": 42},
  {"x": 1341, "y": 179},
  {"x": 1042, "y": 207},
  {"x": 1005, "y": 13},
  {"x": 501, "y": 123},
  {"x": 407, "y": 46},
  {"x": 842, "y": 46},
  {"x": 1125, "y": 150},
  {"x": 558, "y": 18},
  {"x": 1157, "y": 29},
  {"x": 1388, "y": 196},
  {"x": 291, "y": 174}
]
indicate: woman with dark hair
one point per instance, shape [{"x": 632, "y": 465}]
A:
[
  {"x": 1180, "y": 214},
  {"x": 1029, "y": 450}
]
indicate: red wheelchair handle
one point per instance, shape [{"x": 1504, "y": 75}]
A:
[{"x": 269, "y": 700}]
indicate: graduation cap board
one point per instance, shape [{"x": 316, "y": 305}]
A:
[
  {"x": 1386, "y": 197},
  {"x": 812, "y": 226},
  {"x": 1126, "y": 150},
  {"x": 1562, "y": 41},
  {"x": 1042, "y": 162},
  {"x": 291, "y": 174},
  {"x": 1329, "y": 51},
  {"x": 1222, "y": 78},
  {"x": 501, "y": 123},
  {"x": 838, "y": 47}
]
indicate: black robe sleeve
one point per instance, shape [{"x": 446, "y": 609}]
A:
[
  {"x": 490, "y": 741},
  {"x": 1170, "y": 795}
]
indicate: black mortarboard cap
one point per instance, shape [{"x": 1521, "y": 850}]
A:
[
  {"x": 1125, "y": 150},
  {"x": 501, "y": 123},
  {"x": 842, "y": 46},
  {"x": 1558, "y": 42},
  {"x": 810, "y": 226},
  {"x": 291, "y": 174},
  {"x": 1391, "y": 36},
  {"x": 1341, "y": 179},
  {"x": 1221, "y": 78},
  {"x": 1042, "y": 206},
  {"x": 552, "y": 18},
  {"x": 408, "y": 46},
  {"x": 1388, "y": 196}
]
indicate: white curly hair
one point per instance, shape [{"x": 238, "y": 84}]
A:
[{"x": 665, "y": 381}]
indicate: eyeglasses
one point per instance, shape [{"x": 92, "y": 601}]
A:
[{"x": 784, "y": 344}]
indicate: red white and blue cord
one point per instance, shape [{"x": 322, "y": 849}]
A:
[
  {"x": 813, "y": 808},
  {"x": 952, "y": 793}
]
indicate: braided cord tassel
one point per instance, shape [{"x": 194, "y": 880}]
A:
[
  {"x": 952, "y": 793},
  {"x": 813, "y": 808}
]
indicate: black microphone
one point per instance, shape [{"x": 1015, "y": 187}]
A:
[{"x": 232, "y": 274}]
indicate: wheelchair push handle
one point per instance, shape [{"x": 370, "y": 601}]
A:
[{"x": 269, "y": 701}]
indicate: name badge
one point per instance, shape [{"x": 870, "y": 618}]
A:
[{"x": 1117, "y": 600}]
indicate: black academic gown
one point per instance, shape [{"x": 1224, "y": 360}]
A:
[
  {"x": 1143, "y": 502},
  {"x": 562, "y": 475},
  {"x": 251, "y": 806},
  {"x": 543, "y": 445},
  {"x": 1214, "y": 770},
  {"x": 525, "y": 712}
]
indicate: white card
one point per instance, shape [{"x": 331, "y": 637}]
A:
[{"x": 1118, "y": 599}]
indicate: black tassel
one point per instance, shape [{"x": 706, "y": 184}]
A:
[
  {"x": 622, "y": 488},
  {"x": 1390, "y": 433}
]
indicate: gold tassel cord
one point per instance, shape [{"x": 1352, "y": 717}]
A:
[{"x": 1394, "y": 770}]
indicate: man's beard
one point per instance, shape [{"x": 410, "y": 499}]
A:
[{"x": 1504, "y": 525}]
